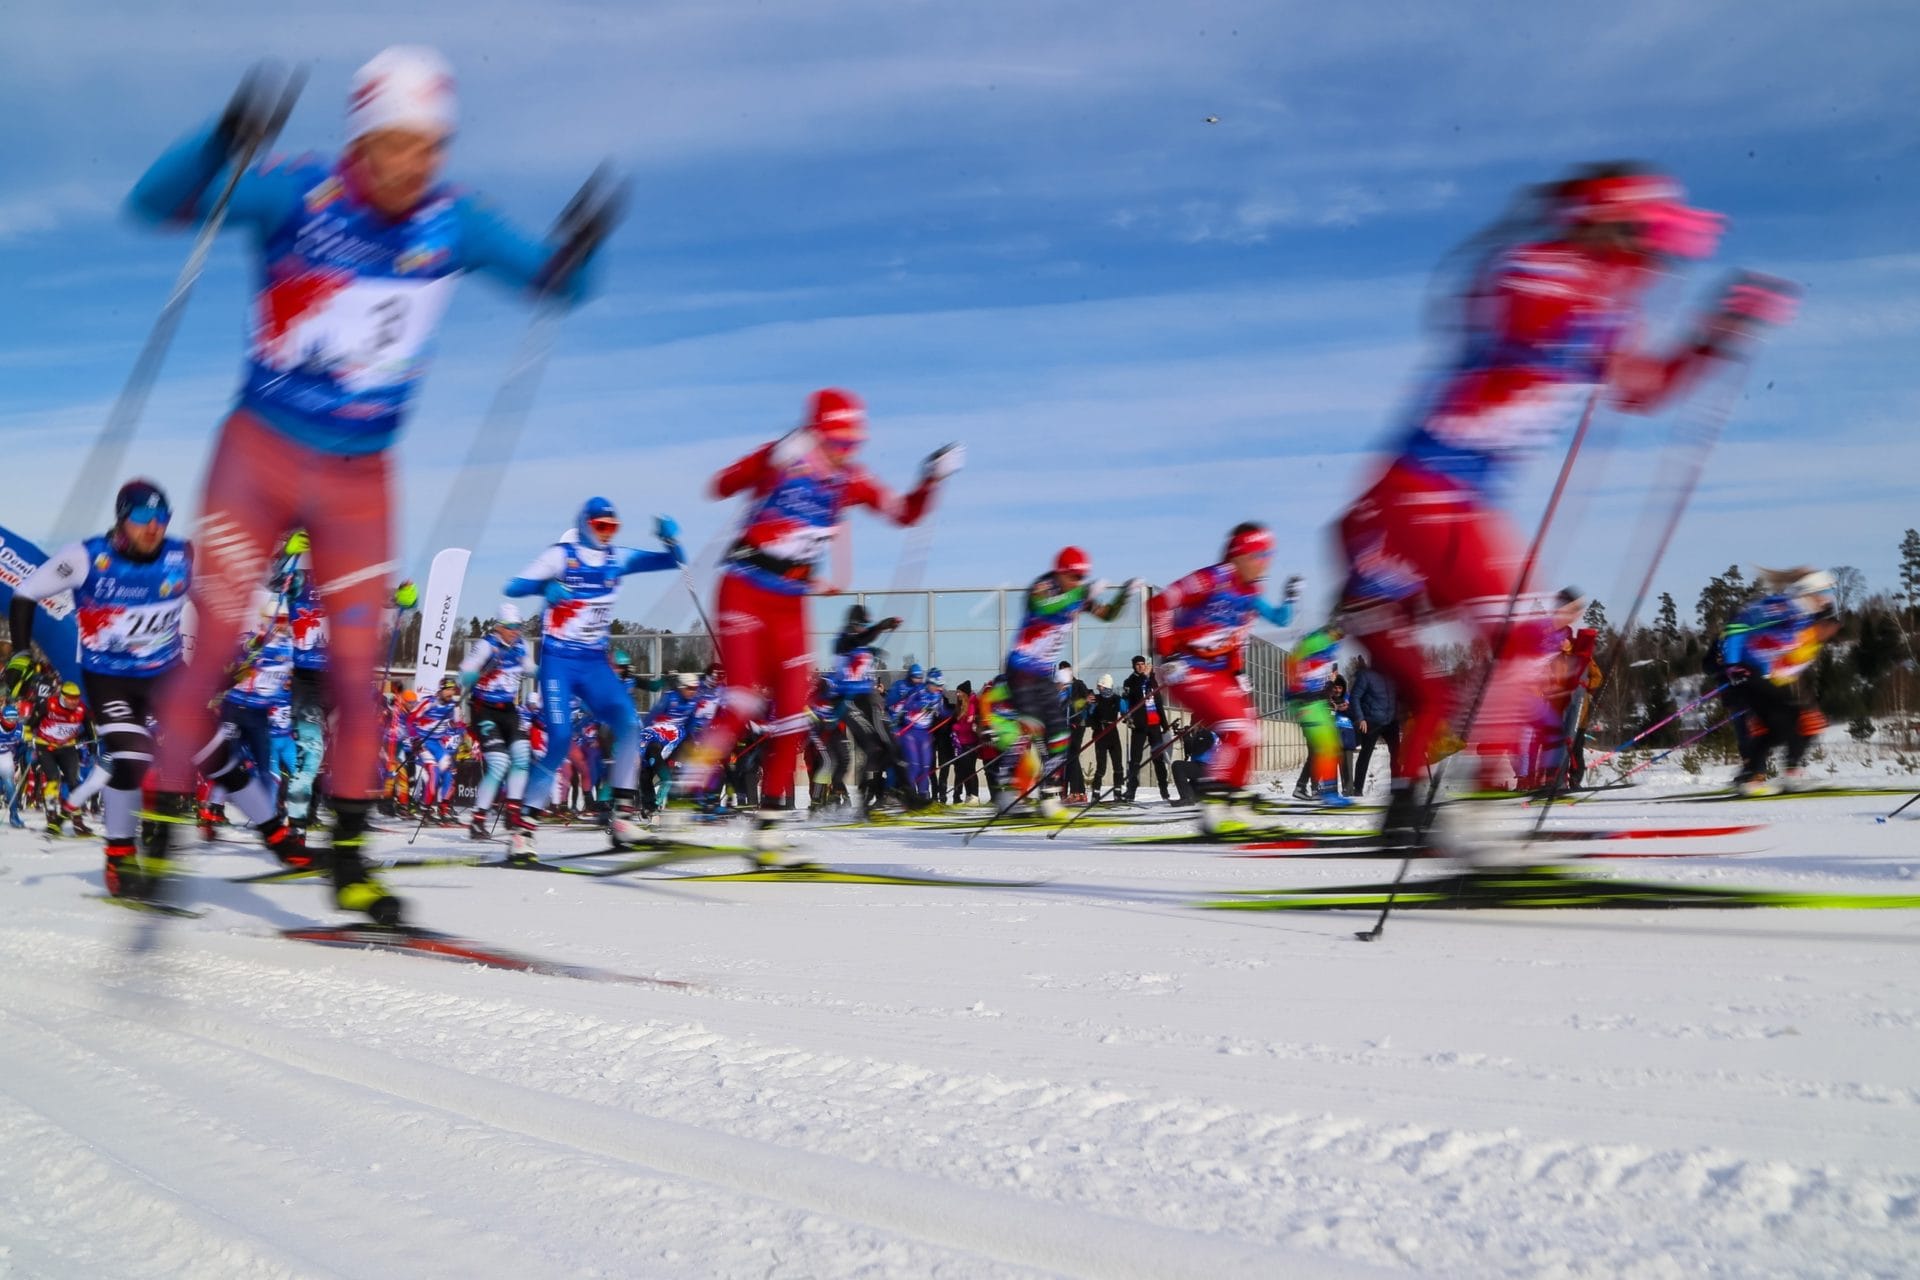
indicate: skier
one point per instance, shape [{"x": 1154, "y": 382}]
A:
[
  {"x": 1765, "y": 649},
  {"x": 1546, "y": 325},
  {"x": 579, "y": 577},
  {"x": 262, "y": 675},
  {"x": 358, "y": 261},
  {"x": 1200, "y": 626},
  {"x": 669, "y": 724},
  {"x": 492, "y": 672},
  {"x": 801, "y": 486},
  {"x": 58, "y": 728},
  {"x": 12, "y": 744},
  {"x": 1311, "y": 667},
  {"x": 435, "y": 726},
  {"x": 129, "y": 587},
  {"x": 853, "y": 687},
  {"x": 912, "y": 707},
  {"x": 310, "y": 706},
  {"x": 1034, "y": 687}
]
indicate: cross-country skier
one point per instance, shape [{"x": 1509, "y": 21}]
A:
[
  {"x": 1053, "y": 601},
  {"x": 1311, "y": 667},
  {"x": 800, "y": 488},
  {"x": 358, "y": 259},
  {"x": 129, "y": 587},
  {"x": 1547, "y": 322},
  {"x": 310, "y": 704},
  {"x": 1765, "y": 649},
  {"x": 1200, "y": 627},
  {"x": 435, "y": 727},
  {"x": 912, "y": 707},
  {"x": 12, "y": 744},
  {"x": 492, "y": 672},
  {"x": 579, "y": 577}
]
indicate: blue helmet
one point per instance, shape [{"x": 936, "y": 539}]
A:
[
  {"x": 916, "y": 672},
  {"x": 934, "y": 676},
  {"x": 598, "y": 522},
  {"x": 9, "y": 714}
]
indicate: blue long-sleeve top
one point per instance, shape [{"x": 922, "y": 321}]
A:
[{"x": 346, "y": 301}]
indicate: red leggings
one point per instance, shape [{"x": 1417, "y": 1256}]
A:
[
  {"x": 1218, "y": 702},
  {"x": 764, "y": 664},
  {"x": 260, "y": 487},
  {"x": 1417, "y": 533}
]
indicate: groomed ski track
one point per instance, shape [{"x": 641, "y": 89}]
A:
[{"x": 1085, "y": 1078}]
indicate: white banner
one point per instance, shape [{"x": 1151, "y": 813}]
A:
[{"x": 439, "y": 618}]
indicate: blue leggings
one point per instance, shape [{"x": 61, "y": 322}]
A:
[
  {"x": 916, "y": 744},
  {"x": 564, "y": 677}
]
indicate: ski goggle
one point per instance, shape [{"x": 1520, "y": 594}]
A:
[
  {"x": 604, "y": 527},
  {"x": 148, "y": 515}
]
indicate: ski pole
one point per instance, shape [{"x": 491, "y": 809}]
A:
[
  {"x": 1172, "y": 738},
  {"x": 1903, "y": 808},
  {"x": 1705, "y": 435},
  {"x": 109, "y": 451},
  {"x": 1663, "y": 724},
  {"x": 468, "y": 506},
  {"x": 1681, "y": 747},
  {"x": 1425, "y": 816}
]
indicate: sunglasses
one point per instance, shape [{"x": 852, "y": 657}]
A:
[
  {"x": 604, "y": 527},
  {"x": 149, "y": 515}
]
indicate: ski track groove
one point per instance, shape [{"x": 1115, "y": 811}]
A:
[{"x": 980, "y": 1130}]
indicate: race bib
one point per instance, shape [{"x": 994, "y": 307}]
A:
[{"x": 365, "y": 333}]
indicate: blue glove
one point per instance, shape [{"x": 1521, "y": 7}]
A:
[
  {"x": 556, "y": 591},
  {"x": 667, "y": 529},
  {"x": 467, "y": 679}
]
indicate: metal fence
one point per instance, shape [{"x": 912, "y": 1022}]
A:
[{"x": 966, "y": 633}]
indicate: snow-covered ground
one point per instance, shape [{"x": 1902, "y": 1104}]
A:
[{"x": 1087, "y": 1078}]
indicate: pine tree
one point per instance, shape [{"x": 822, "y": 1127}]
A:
[
  {"x": 1910, "y": 572},
  {"x": 1596, "y": 618},
  {"x": 1720, "y": 599},
  {"x": 1666, "y": 625}
]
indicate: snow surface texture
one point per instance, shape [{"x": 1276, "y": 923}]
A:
[{"x": 1089, "y": 1078}]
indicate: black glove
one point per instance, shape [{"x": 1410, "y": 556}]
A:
[
  {"x": 891, "y": 624},
  {"x": 588, "y": 219},
  {"x": 1738, "y": 675},
  {"x": 258, "y": 109}
]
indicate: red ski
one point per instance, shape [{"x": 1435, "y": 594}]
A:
[{"x": 434, "y": 945}]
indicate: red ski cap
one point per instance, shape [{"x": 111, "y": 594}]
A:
[{"x": 838, "y": 416}]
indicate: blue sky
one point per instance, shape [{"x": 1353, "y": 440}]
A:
[{"x": 1011, "y": 224}]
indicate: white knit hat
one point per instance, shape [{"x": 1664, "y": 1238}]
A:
[{"x": 407, "y": 86}]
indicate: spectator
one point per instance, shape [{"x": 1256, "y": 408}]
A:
[
  {"x": 1376, "y": 714},
  {"x": 942, "y": 735},
  {"x": 1147, "y": 726},
  {"x": 966, "y": 743},
  {"x": 1076, "y": 695},
  {"x": 1103, "y": 722}
]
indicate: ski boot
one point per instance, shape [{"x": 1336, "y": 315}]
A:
[
  {"x": 15, "y": 821},
  {"x": 1330, "y": 797},
  {"x": 1224, "y": 812},
  {"x": 625, "y": 826},
  {"x": 355, "y": 888},
  {"x": 477, "y": 826},
  {"x": 1404, "y": 825},
  {"x": 286, "y": 843},
  {"x": 54, "y": 819},
  {"x": 1755, "y": 783},
  {"x": 209, "y": 818},
  {"x": 78, "y": 819},
  {"x": 520, "y": 833},
  {"x": 443, "y": 816},
  {"x": 1049, "y": 808},
  {"x": 1795, "y": 779},
  {"x": 770, "y": 823},
  {"x": 151, "y": 866},
  {"x": 123, "y": 878}
]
